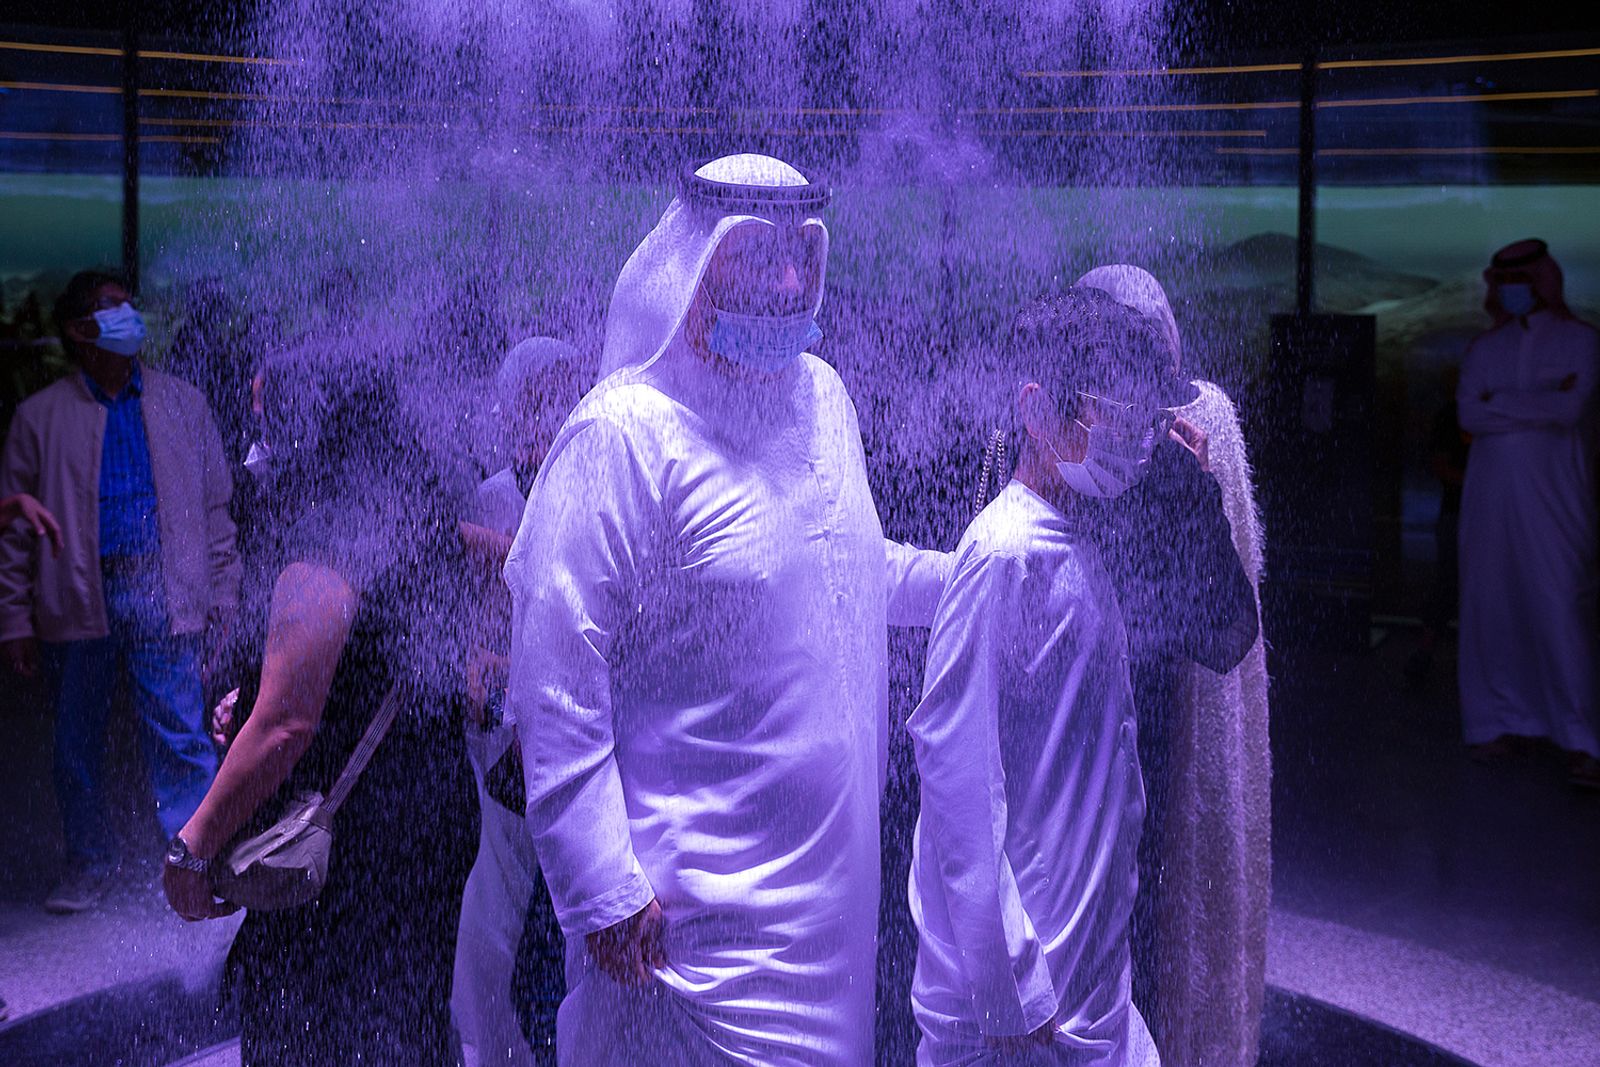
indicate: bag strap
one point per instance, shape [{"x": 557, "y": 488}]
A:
[{"x": 363, "y": 753}]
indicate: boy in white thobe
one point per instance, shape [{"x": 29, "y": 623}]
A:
[{"x": 1025, "y": 867}]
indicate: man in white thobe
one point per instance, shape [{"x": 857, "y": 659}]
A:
[
  {"x": 1025, "y": 866},
  {"x": 701, "y": 588},
  {"x": 1529, "y": 652}
]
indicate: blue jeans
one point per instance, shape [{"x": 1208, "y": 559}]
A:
[{"x": 163, "y": 672}]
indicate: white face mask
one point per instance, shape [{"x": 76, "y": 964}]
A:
[{"x": 1114, "y": 462}]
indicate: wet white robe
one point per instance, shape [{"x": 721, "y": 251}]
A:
[
  {"x": 698, "y": 675},
  {"x": 1218, "y": 853},
  {"x": 1529, "y": 653},
  {"x": 498, "y": 890},
  {"x": 1025, "y": 864}
]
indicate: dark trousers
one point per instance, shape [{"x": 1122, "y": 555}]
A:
[{"x": 163, "y": 672}]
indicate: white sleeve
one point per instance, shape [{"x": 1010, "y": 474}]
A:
[
  {"x": 571, "y": 573},
  {"x": 916, "y": 580},
  {"x": 964, "y": 815},
  {"x": 1511, "y": 410}
]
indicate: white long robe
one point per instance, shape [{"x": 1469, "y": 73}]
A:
[
  {"x": 1216, "y": 851},
  {"x": 498, "y": 890},
  {"x": 1025, "y": 864},
  {"x": 1529, "y": 653},
  {"x": 1217, "y": 869},
  {"x": 699, "y": 678}
]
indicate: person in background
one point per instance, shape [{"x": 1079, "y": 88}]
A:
[
  {"x": 1184, "y": 547},
  {"x": 1529, "y": 567},
  {"x": 538, "y": 384},
  {"x": 130, "y": 462},
  {"x": 370, "y": 596},
  {"x": 1025, "y": 867}
]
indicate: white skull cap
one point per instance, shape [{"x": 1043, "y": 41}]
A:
[
  {"x": 526, "y": 359},
  {"x": 751, "y": 168}
]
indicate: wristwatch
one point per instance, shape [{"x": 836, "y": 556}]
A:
[{"x": 178, "y": 855}]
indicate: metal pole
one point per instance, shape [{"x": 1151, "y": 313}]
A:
[
  {"x": 1306, "y": 243},
  {"x": 130, "y": 154}
]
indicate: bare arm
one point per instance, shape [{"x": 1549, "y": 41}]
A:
[{"x": 312, "y": 609}]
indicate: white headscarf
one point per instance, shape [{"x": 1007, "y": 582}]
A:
[
  {"x": 658, "y": 282},
  {"x": 1138, "y": 289}
]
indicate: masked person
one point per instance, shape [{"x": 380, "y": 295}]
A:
[
  {"x": 1025, "y": 870},
  {"x": 368, "y": 598},
  {"x": 1205, "y": 876},
  {"x": 130, "y": 463},
  {"x": 537, "y": 385},
  {"x": 701, "y": 588},
  {"x": 1528, "y": 518}
]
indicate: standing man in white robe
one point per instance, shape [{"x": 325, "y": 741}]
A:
[
  {"x": 1025, "y": 867},
  {"x": 1215, "y": 849},
  {"x": 701, "y": 589},
  {"x": 1529, "y": 573}
]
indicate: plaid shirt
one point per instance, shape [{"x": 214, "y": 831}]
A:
[{"x": 128, "y": 525}]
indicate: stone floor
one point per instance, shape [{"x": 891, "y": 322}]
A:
[{"x": 1452, "y": 901}]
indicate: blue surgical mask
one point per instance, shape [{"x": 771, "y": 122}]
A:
[
  {"x": 121, "y": 330},
  {"x": 762, "y": 342},
  {"x": 1517, "y": 299}
]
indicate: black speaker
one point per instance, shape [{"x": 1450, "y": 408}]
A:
[{"x": 1312, "y": 440}]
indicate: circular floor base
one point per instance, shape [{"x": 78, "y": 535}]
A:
[{"x": 157, "y": 1023}]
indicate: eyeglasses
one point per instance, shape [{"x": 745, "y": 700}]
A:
[{"x": 1126, "y": 416}]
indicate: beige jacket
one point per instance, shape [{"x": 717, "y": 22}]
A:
[{"x": 53, "y": 452}]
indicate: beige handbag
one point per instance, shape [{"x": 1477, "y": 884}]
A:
[{"x": 286, "y": 865}]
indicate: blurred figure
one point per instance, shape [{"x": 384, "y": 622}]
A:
[
  {"x": 1185, "y": 547},
  {"x": 129, "y": 461},
  {"x": 538, "y": 384},
  {"x": 1448, "y": 448},
  {"x": 701, "y": 591},
  {"x": 370, "y": 595},
  {"x": 1025, "y": 866},
  {"x": 1529, "y": 649},
  {"x": 216, "y": 347}
]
